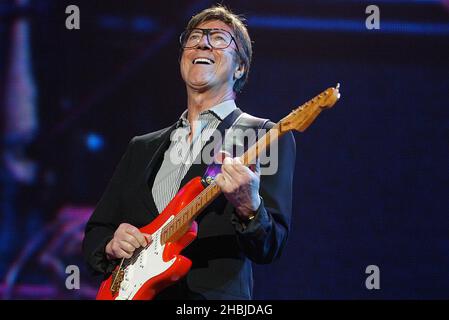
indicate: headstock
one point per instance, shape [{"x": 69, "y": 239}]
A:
[{"x": 300, "y": 118}]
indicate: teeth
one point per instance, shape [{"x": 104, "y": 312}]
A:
[{"x": 202, "y": 60}]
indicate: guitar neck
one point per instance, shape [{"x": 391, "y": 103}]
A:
[{"x": 253, "y": 152}]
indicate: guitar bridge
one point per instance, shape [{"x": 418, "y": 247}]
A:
[{"x": 117, "y": 278}]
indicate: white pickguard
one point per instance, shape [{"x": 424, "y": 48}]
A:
[{"x": 149, "y": 264}]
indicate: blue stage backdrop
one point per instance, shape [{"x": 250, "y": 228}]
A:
[{"x": 371, "y": 177}]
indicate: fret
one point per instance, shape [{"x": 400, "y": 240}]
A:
[
  {"x": 200, "y": 202},
  {"x": 183, "y": 217},
  {"x": 208, "y": 195},
  {"x": 190, "y": 212},
  {"x": 176, "y": 220},
  {"x": 170, "y": 230}
]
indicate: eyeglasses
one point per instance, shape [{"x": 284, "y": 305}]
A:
[{"x": 217, "y": 38}]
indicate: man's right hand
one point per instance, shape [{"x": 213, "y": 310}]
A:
[{"x": 127, "y": 239}]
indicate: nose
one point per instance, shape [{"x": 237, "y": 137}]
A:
[{"x": 204, "y": 43}]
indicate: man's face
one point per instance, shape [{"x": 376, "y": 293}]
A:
[{"x": 218, "y": 74}]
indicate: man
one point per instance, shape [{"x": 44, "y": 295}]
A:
[{"x": 248, "y": 222}]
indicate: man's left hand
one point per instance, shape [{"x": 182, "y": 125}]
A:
[{"x": 240, "y": 186}]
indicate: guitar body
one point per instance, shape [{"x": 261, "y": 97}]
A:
[{"x": 157, "y": 266}]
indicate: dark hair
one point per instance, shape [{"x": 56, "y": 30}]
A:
[{"x": 236, "y": 22}]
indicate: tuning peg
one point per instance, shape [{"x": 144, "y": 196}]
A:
[{"x": 338, "y": 87}]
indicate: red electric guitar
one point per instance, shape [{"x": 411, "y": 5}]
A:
[{"x": 153, "y": 268}]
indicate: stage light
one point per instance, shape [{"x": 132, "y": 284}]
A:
[{"x": 94, "y": 142}]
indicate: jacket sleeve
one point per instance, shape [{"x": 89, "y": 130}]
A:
[
  {"x": 263, "y": 238},
  {"x": 105, "y": 219}
]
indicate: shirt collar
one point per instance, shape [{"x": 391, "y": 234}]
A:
[{"x": 221, "y": 111}]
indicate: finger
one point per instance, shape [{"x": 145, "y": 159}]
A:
[
  {"x": 227, "y": 177},
  {"x": 131, "y": 240},
  {"x": 230, "y": 183},
  {"x": 148, "y": 238},
  {"x": 129, "y": 228},
  {"x": 239, "y": 174},
  {"x": 134, "y": 232},
  {"x": 119, "y": 252},
  {"x": 123, "y": 254},
  {"x": 240, "y": 167},
  {"x": 223, "y": 181},
  {"x": 220, "y": 180},
  {"x": 227, "y": 160},
  {"x": 230, "y": 169},
  {"x": 126, "y": 246}
]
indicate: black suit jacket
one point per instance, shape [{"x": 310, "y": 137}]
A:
[{"x": 225, "y": 246}]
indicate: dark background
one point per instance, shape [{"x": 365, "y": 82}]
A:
[{"x": 371, "y": 178}]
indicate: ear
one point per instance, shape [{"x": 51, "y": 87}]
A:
[{"x": 239, "y": 72}]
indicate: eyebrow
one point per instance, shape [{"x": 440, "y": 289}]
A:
[{"x": 231, "y": 32}]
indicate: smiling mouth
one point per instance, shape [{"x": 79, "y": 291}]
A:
[{"x": 203, "y": 61}]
